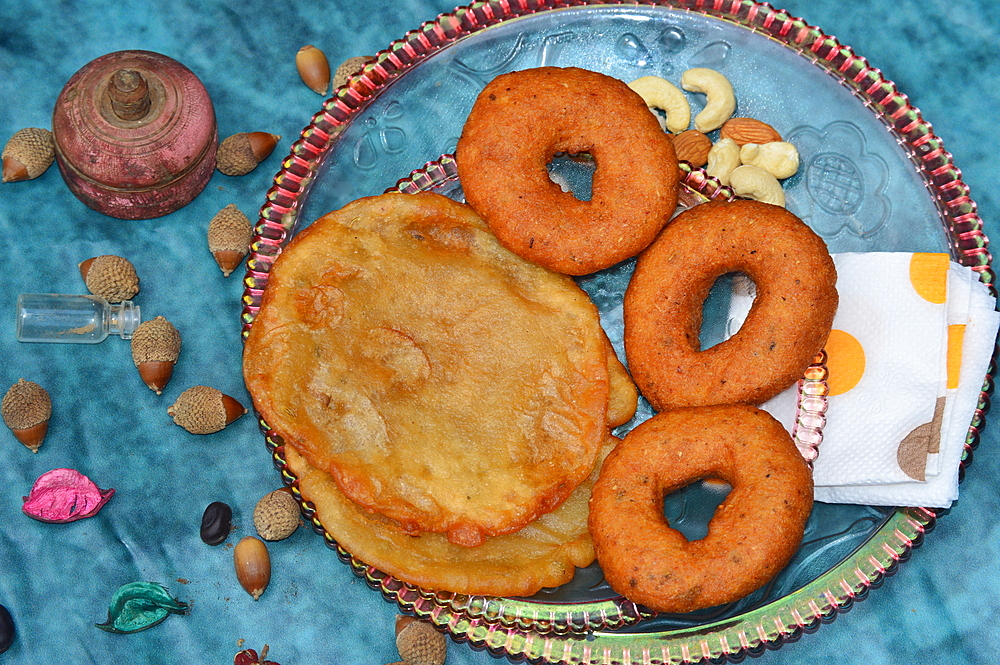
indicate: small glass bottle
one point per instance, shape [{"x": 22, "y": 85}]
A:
[{"x": 73, "y": 319}]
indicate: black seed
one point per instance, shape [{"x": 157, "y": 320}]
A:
[
  {"x": 6, "y": 629},
  {"x": 215, "y": 523}
]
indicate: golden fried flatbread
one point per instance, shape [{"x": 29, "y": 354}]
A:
[
  {"x": 545, "y": 553},
  {"x": 624, "y": 399},
  {"x": 441, "y": 380}
]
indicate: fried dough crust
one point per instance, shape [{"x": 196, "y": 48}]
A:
[
  {"x": 441, "y": 380},
  {"x": 624, "y": 399},
  {"x": 545, "y": 553}
]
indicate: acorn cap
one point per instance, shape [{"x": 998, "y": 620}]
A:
[
  {"x": 156, "y": 339},
  {"x": 204, "y": 410},
  {"x": 27, "y": 155},
  {"x": 276, "y": 515},
  {"x": 419, "y": 643},
  {"x": 156, "y": 344},
  {"x": 26, "y": 409},
  {"x": 348, "y": 68},
  {"x": 240, "y": 153},
  {"x": 26, "y": 404},
  {"x": 111, "y": 277},
  {"x": 229, "y": 236}
]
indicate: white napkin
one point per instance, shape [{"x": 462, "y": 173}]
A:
[{"x": 898, "y": 412}]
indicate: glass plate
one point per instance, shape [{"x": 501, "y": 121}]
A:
[{"x": 861, "y": 187}]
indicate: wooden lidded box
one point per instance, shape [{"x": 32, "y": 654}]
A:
[{"x": 135, "y": 135}]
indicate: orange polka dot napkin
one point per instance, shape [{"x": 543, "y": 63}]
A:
[
  {"x": 910, "y": 346},
  {"x": 913, "y": 453}
]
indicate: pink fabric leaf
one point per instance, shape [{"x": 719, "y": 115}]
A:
[{"x": 64, "y": 495}]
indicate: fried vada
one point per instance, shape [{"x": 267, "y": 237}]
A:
[
  {"x": 523, "y": 119},
  {"x": 753, "y": 534},
  {"x": 787, "y": 326}
]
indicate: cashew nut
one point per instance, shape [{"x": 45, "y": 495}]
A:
[
  {"x": 721, "y": 102},
  {"x": 779, "y": 158},
  {"x": 659, "y": 93},
  {"x": 755, "y": 183},
  {"x": 722, "y": 159}
]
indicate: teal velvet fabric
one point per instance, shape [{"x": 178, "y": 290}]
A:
[{"x": 56, "y": 580}]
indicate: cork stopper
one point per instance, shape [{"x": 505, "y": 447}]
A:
[
  {"x": 28, "y": 153},
  {"x": 204, "y": 410},
  {"x": 276, "y": 515},
  {"x": 25, "y": 405},
  {"x": 111, "y": 277}
]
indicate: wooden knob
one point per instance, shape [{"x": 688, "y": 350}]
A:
[{"x": 129, "y": 94}]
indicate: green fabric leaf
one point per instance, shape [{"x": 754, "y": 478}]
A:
[{"x": 140, "y": 605}]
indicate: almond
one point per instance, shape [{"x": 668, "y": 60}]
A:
[
  {"x": 692, "y": 146},
  {"x": 748, "y": 130}
]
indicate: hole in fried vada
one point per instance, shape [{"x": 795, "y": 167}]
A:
[
  {"x": 574, "y": 173},
  {"x": 725, "y": 308},
  {"x": 691, "y": 508}
]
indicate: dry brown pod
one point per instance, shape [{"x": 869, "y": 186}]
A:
[
  {"x": 314, "y": 68},
  {"x": 156, "y": 345},
  {"x": 693, "y": 147},
  {"x": 348, "y": 68},
  {"x": 240, "y": 153},
  {"x": 276, "y": 515},
  {"x": 253, "y": 565},
  {"x": 111, "y": 277},
  {"x": 419, "y": 643},
  {"x": 26, "y": 408},
  {"x": 205, "y": 410},
  {"x": 28, "y": 153},
  {"x": 229, "y": 236}
]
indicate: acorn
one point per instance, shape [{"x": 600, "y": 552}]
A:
[
  {"x": 26, "y": 409},
  {"x": 419, "y": 643},
  {"x": 156, "y": 344},
  {"x": 229, "y": 236},
  {"x": 204, "y": 410},
  {"x": 314, "y": 69},
  {"x": 276, "y": 515},
  {"x": 28, "y": 153},
  {"x": 253, "y": 565},
  {"x": 348, "y": 68},
  {"x": 111, "y": 277},
  {"x": 240, "y": 154}
]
